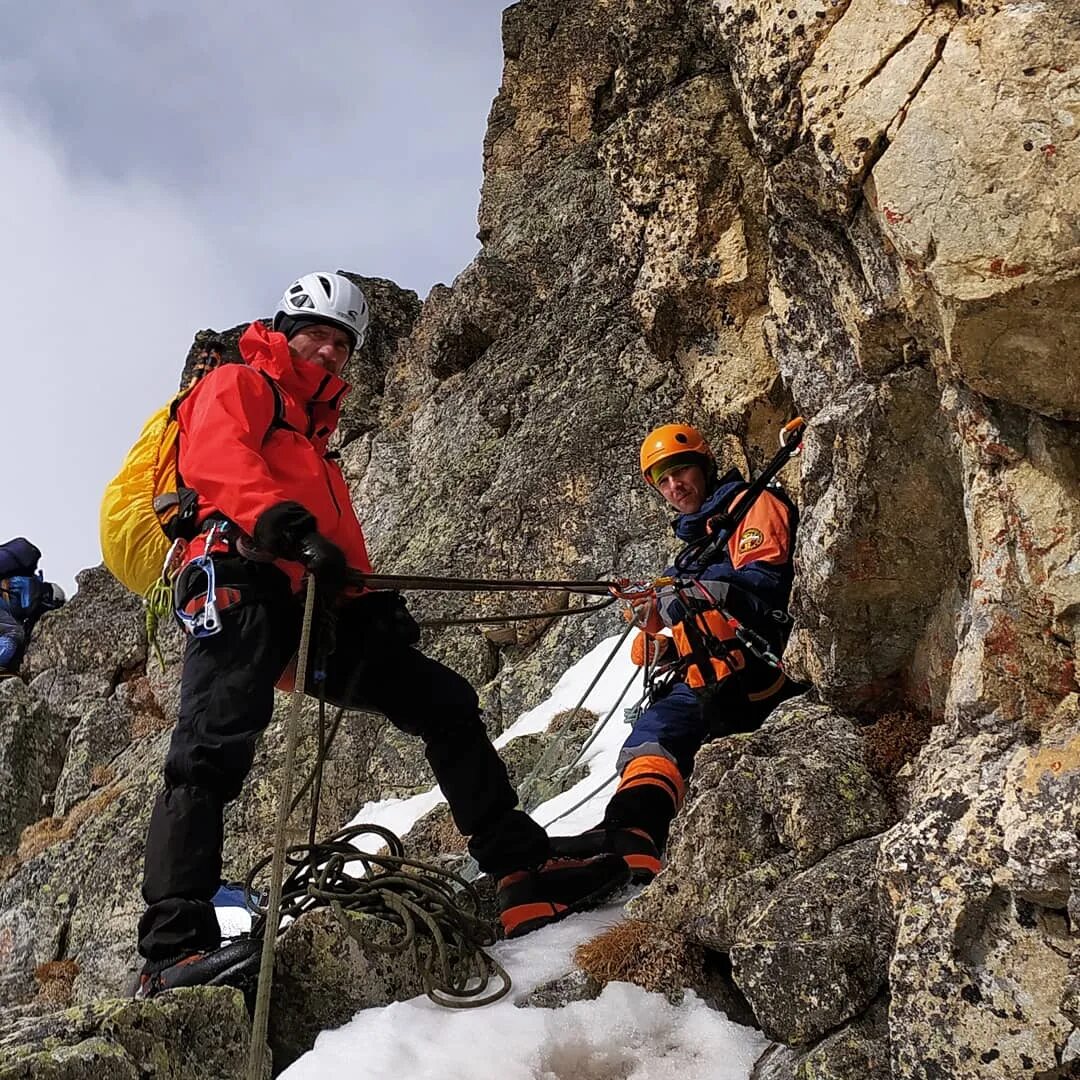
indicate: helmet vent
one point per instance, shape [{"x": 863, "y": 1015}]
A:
[
  {"x": 325, "y": 283},
  {"x": 680, "y": 437}
]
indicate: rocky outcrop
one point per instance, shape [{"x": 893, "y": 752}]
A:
[
  {"x": 870, "y": 207},
  {"x": 324, "y": 973},
  {"x": 31, "y": 755},
  {"x": 771, "y": 863}
]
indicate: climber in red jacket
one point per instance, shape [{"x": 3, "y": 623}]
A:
[{"x": 272, "y": 507}]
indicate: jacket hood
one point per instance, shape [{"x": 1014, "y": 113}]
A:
[{"x": 269, "y": 351}]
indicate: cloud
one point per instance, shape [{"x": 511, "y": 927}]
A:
[
  {"x": 339, "y": 133},
  {"x": 171, "y": 167},
  {"x": 103, "y": 284}
]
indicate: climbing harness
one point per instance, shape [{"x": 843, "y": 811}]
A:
[{"x": 712, "y": 643}]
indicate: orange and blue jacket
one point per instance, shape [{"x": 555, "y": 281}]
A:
[
  {"x": 756, "y": 568},
  {"x": 244, "y": 448}
]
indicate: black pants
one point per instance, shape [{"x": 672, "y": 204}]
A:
[{"x": 226, "y": 701}]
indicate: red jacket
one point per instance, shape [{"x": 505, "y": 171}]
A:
[{"x": 241, "y": 463}]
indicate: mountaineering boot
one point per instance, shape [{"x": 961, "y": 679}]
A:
[
  {"x": 529, "y": 899},
  {"x": 215, "y": 968},
  {"x": 635, "y": 846}
]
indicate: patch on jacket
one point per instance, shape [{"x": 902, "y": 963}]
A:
[{"x": 750, "y": 539}]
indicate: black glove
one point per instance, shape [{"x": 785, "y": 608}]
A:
[
  {"x": 281, "y": 528},
  {"x": 289, "y": 531},
  {"x": 325, "y": 560}
]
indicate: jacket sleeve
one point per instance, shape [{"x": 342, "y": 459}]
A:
[
  {"x": 759, "y": 573},
  {"x": 224, "y": 423}
]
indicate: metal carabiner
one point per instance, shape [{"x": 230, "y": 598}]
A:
[
  {"x": 207, "y": 620},
  {"x": 174, "y": 560},
  {"x": 211, "y": 617}
]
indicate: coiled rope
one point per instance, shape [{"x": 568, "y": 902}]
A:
[{"x": 436, "y": 911}]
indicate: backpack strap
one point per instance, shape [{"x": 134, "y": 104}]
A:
[{"x": 184, "y": 523}]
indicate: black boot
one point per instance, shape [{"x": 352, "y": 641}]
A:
[
  {"x": 219, "y": 967},
  {"x": 529, "y": 899},
  {"x": 634, "y": 845}
]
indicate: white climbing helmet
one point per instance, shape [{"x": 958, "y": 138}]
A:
[{"x": 323, "y": 297}]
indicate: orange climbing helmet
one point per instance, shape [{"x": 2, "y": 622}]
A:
[{"x": 674, "y": 441}]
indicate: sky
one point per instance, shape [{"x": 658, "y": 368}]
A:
[
  {"x": 626, "y": 1032},
  {"x": 171, "y": 167}
]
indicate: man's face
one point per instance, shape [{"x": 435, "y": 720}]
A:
[
  {"x": 327, "y": 346},
  {"x": 684, "y": 488}
]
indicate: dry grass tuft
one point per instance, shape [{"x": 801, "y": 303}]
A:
[
  {"x": 639, "y": 952},
  {"x": 891, "y": 742},
  {"x": 446, "y": 840},
  {"x": 148, "y": 723},
  {"x": 55, "y": 982},
  {"x": 102, "y": 776},
  {"x": 585, "y": 718}
]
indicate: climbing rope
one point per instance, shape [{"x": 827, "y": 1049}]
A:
[
  {"x": 582, "y": 801},
  {"x": 475, "y": 620},
  {"x": 455, "y": 584},
  {"x": 257, "y": 1050},
  {"x": 435, "y": 911}
]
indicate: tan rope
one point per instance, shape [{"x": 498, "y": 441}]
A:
[{"x": 257, "y": 1050}]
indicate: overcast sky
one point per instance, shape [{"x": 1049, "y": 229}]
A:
[{"x": 169, "y": 167}]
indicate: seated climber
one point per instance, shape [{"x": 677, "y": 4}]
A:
[
  {"x": 271, "y": 506},
  {"x": 25, "y": 596},
  {"x": 717, "y": 684}
]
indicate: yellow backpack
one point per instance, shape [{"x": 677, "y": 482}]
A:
[{"x": 144, "y": 506}]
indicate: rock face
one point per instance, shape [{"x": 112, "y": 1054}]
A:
[
  {"x": 196, "y": 1034},
  {"x": 324, "y": 974},
  {"x": 772, "y": 862},
  {"x": 727, "y": 212},
  {"x": 865, "y": 213}
]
